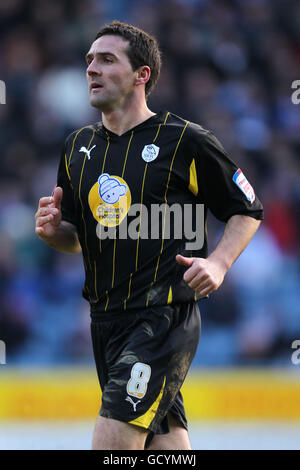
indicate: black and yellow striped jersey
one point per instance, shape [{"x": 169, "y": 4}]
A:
[{"x": 112, "y": 184}]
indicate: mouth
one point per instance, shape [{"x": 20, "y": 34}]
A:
[{"x": 95, "y": 86}]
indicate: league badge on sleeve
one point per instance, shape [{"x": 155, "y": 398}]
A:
[{"x": 241, "y": 181}]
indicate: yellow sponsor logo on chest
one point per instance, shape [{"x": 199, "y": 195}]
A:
[{"x": 109, "y": 200}]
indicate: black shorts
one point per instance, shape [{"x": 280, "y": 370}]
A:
[{"x": 142, "y": 360}]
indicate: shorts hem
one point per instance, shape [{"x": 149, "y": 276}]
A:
[{"x": 123, "y": 420}]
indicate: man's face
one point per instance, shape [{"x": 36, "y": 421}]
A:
[{"x": 109, "y": 73}]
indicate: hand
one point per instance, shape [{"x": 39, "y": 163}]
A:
[
  {"x": 203, "y": 275},
  {"x": 48, "y": 215}
]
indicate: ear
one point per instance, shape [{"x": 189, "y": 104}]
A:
[
  {"x": 122, "y": 190},
  {"x": 143, "y": 75},
  {"x": 103, "y": 177}
]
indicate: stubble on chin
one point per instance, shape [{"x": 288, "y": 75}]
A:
[{"x": 96, "y": 103}]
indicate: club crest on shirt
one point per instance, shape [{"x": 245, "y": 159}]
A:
[
  {"x": 241, "y": 181},
  {"x": 109, "y": 200},
  {"x": 150, "y": 153}
]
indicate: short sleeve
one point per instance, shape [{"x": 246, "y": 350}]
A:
[
  {"x": 222, "y": 185},
  {"x": 64, "y": 181}
]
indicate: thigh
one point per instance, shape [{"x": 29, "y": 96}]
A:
[{"x": 110, "y": 434}]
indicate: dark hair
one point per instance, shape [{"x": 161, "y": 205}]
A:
[{"x": 142, "y": 50}]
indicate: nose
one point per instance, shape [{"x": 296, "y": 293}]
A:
[{"x": 93, "y": 69}]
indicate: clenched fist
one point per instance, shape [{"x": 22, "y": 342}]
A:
[
  {"x": 48, "y": 215},
  {"x": 203, "y": 275}
]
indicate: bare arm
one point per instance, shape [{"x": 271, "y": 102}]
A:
[
  {"x": 237, "y": 234},
  {"x": 206, "y": 275},
  {"x": 57, "y": 233}
]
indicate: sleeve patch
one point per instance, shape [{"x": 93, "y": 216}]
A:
[{"x": 244, "y": 185}]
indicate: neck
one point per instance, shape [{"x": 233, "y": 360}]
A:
[{"x": 120, "y": 121}]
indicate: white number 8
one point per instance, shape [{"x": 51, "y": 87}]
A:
[{"x": 140, "y": 376}]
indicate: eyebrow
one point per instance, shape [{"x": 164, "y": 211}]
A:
[{"x": 90, "y": 55}]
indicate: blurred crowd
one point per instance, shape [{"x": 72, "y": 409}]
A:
[{"x": 227, "y": 65}]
